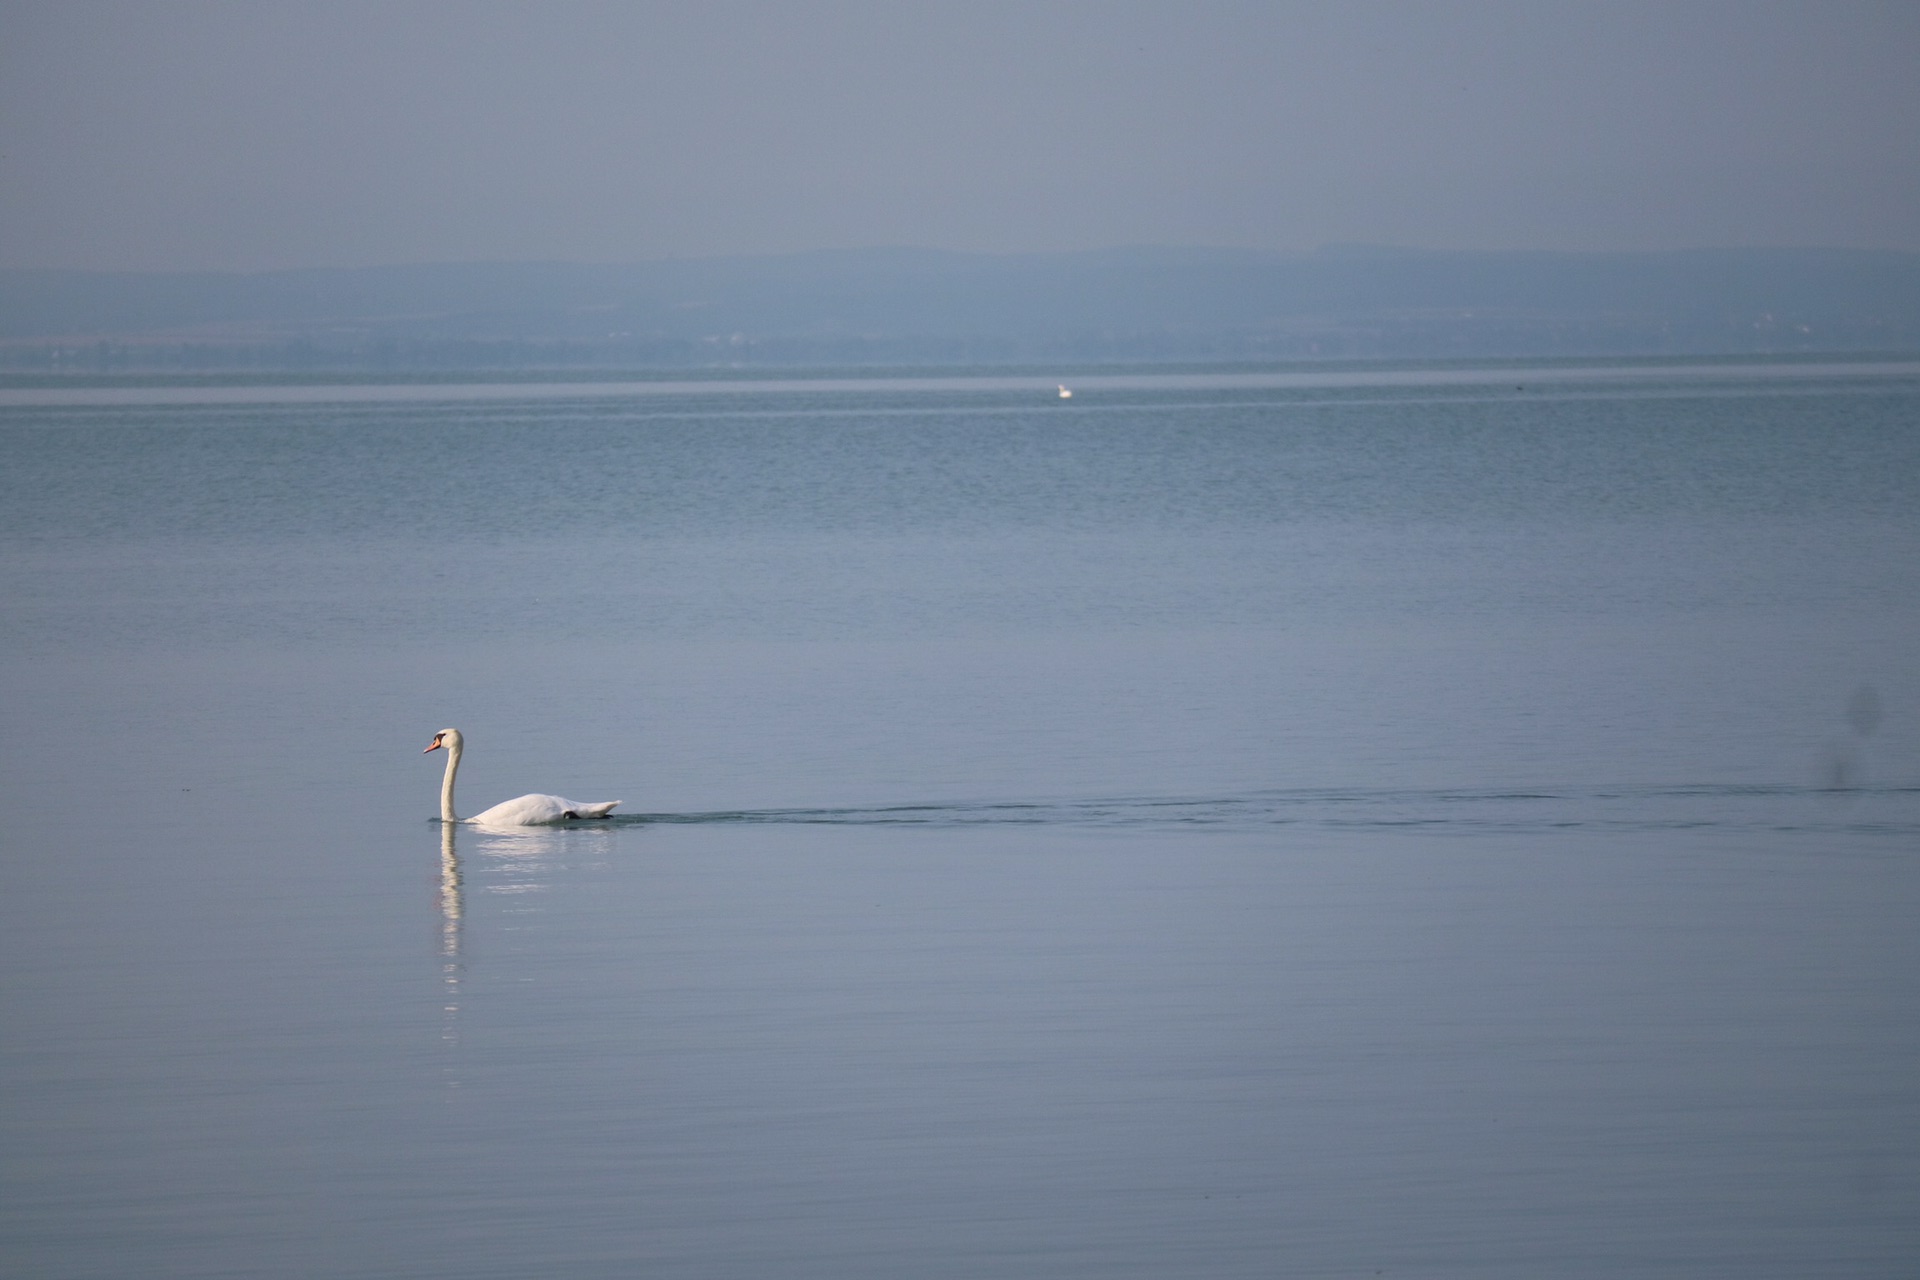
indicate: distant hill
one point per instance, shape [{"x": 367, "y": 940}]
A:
[{"x": 926, "y": 306}]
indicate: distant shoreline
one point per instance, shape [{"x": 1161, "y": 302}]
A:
[{"x": 908, "y": 308}]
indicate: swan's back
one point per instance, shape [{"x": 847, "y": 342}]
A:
[{"x": 538, "y": 810}]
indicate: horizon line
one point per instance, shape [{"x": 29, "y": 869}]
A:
[{"x": 1330, "y": 249}]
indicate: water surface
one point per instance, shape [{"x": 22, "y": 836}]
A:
[{"x": 1395, "y": 822}]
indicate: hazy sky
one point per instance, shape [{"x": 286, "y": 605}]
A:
[{"x": 161, "y": 135}]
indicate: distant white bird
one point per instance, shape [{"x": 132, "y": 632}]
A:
[
  {"x": 527, "y": 811},
  {"x": 1065, "y": 394}
]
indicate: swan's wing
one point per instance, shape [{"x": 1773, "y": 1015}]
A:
[{"x": 523, "y": 811}]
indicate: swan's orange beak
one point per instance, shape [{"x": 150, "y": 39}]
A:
[{"x": 432, "y": 746}]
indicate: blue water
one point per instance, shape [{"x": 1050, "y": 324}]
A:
[{"x": 1429, "y": 821}]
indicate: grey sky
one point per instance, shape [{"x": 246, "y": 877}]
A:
[{"x": 160, "y": 135}]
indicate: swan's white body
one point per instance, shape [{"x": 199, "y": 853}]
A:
[
  {"x": 525, "y": 811},
  {"x": 1065, "y": 394}
]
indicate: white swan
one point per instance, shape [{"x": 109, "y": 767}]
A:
[{"x": 527, "y": 811}]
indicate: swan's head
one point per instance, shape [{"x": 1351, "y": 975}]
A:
[{"x": 448, "y": 738}]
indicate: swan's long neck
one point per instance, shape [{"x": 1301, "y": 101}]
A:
[{"x": 446, "y": 783}]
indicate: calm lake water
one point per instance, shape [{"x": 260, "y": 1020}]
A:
[{"x": 1418, "y": 822}]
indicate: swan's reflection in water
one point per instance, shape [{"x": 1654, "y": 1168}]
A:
[
  {"x": 451, "y": 904},
  {"x": 452, "y": 910},
  {"x": 524, "y": 860},
  {"x": 509, "y": 861}
]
